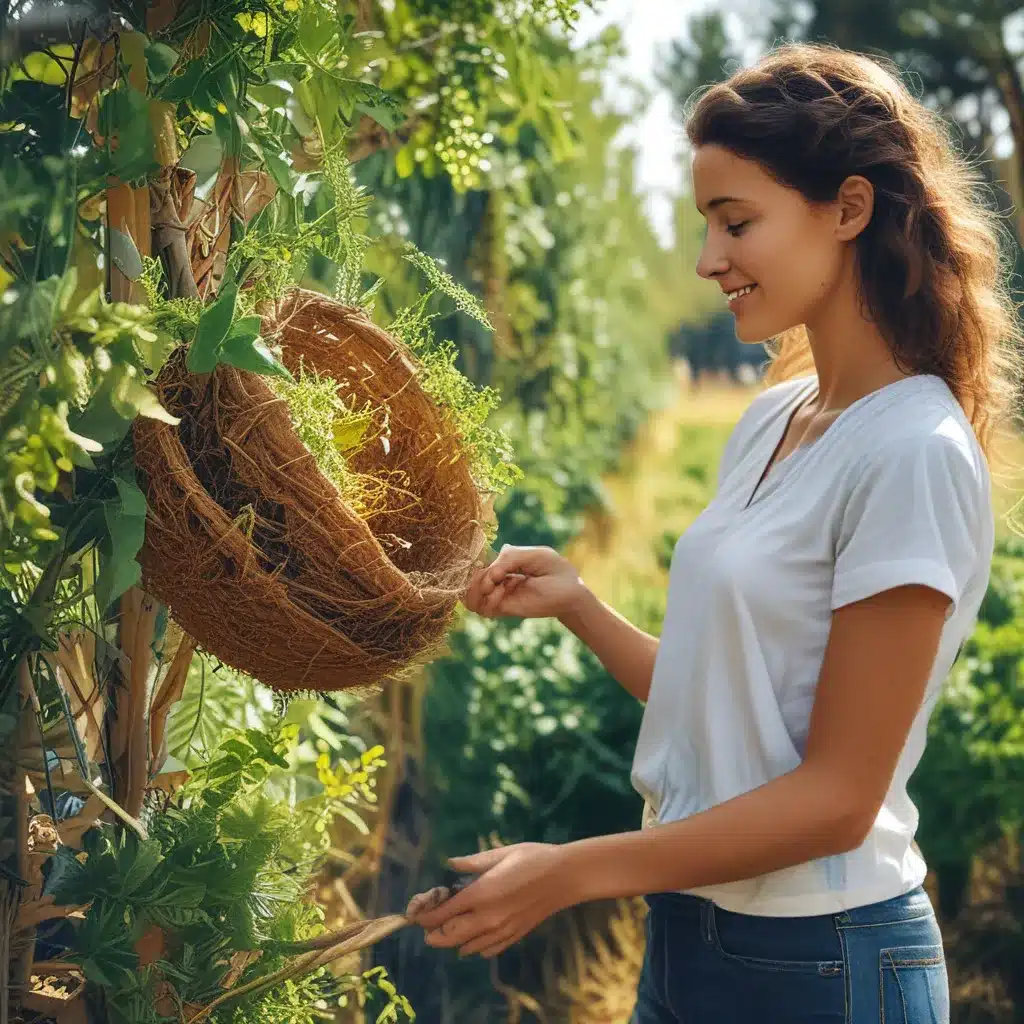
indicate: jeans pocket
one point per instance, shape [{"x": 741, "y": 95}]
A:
[
  {"x": 769, "y": 944},
  {"x": 914, "y": 987}
]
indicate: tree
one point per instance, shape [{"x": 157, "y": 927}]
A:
[
  {"x": 158, "y": 185},
  {"x": 703, "y": 58},
  {"x": 958, "y": 50}
]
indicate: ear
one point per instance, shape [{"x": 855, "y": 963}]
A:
[{"x": 855, "y": 203}]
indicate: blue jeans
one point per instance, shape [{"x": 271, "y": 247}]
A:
[{"x": 877, "y": 964}]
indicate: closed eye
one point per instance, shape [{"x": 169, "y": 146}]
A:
[{"x": 736, "y": 229}]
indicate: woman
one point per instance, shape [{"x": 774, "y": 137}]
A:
[{"x": 817, "y": 604}]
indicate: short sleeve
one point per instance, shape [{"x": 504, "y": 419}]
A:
[{"x": 912, "y": 517}]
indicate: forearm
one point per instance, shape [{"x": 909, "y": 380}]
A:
[
  {"x": 627, "y": 652},
  {"x": 793, "y": 819}
]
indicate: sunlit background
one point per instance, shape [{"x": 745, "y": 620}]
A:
[{"x": 192, "y": 792}]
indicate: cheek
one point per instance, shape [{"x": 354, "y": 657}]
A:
[
  {"x": 797, "y": 269},
  {"x": 794, "y": 271}
]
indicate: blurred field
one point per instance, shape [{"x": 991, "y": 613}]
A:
[{"x": 664, "y": 482}]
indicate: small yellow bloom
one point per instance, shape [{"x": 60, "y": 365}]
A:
[
  {"x": 256, "y": 23},
  {"x": 222, "y": 108}
]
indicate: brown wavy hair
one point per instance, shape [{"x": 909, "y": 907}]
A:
[{"x": 933, "y": 272}]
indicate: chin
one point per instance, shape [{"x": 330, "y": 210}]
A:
[
  {"x": 756, "y": 331},
  {"x": 752, "y": 334}
]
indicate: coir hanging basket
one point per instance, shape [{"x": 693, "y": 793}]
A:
[{"x": 253, "y": 549}]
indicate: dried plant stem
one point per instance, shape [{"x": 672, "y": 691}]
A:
[
  {"x": 357, "y": 937},
  {"x": 133, "y": 823}
]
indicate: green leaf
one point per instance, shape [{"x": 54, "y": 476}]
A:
[
  {"x": 145, "y": 402},
  {"x": 248, "y": 352},
  {"x": 137, "y": 862},
  {"x": 65, "y": 879},
  {"x": 272, "y": 94},
  {"x": 126, "y": 527},
  {"x": 105, "y": 947},
  {"x": 212, "y": 329},
  {"x": 316, "y": 29},
  {"x": 124, "y": 117},
  {"x": 81, "y": 458},
  {"x": 133, "y": 501},
  {"x": 124, "y": 255},
  {"x": 279, "y": 167},
  {"x": 204, "y": 155},
  {"x": 101, "y": 420},
  {"x": 160, "y": 60},
  {"x": 296, "y": 109},
  {"x": 186, "y": 84},
  {"x": 116, "y": 576},
  {"x": 239, "y": 746},
  {"x": 384, "y": 114}
]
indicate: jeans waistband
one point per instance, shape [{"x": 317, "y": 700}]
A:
[{"x": 910, "y": 905}]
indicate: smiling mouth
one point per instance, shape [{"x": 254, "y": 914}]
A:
[{"x": 740, "y": 292}]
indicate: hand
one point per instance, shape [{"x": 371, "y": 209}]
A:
[
  {"x": 526, "y": 582},
  {"x": 521, "y": 886}
]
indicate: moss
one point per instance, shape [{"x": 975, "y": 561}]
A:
[{"x": 330, "y": 430}]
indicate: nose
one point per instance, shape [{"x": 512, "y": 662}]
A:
[{"x": 712, "y": 261}]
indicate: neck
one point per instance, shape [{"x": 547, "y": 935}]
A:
[{"x": 851, "y": 357}]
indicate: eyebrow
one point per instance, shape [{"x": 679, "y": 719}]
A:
[{"x": 720, "y": 201}]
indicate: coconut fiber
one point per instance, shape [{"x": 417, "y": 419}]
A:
[{"x": 253, "y": 549}]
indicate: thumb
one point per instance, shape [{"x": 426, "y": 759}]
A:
[{"x": 479, "y": 862}]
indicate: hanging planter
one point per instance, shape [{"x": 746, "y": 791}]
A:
[{"x": 262, "y": 558}]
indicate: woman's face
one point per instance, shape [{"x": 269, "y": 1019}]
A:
[{"x": 776, "y": 255}]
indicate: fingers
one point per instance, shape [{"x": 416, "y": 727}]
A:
[
  {"x": 462, "y": 902},
  {"x": 500, "y": 945},
  {"x": 423, "y": 902},
  {"x": 489, "y": 943},
  {"x": 493, "y": 603},
  {"x": 518, "y": 560},
  {"x": 484, "y": 596}
]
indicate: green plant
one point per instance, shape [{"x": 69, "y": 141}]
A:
[
  {"x": 969, "y": 786},
  {"x": 219, "y": 869}
]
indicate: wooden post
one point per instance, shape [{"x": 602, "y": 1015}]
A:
[{"x": 127, "y": 207}]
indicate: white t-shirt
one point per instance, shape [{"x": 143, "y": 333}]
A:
[{"x": 895, "y": 491}]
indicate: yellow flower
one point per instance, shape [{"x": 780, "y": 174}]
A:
[{"x": 256, "y": 23}]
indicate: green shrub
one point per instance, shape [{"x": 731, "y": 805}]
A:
[{"x": 969, "y": 786}]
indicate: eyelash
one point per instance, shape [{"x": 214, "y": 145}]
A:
[{"x": 736, "y": 229}]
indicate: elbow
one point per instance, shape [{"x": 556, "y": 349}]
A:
[
  {"x": 843, "y": 813},
  {"x": 851, "y": 826}
]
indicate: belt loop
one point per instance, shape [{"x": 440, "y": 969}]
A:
[{"x": 709, "y": 922}]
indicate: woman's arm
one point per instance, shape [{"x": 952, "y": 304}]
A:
[
  {"x": 876, "y": 667},
  {"x": 626, "y": 651}
]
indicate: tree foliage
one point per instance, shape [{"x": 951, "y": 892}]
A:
[{"x": 277, "y": 98}]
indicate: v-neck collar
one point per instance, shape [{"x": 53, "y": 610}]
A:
[
  {"x": 803, "y": 397},
  {"x": 879, "y": 399}
]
